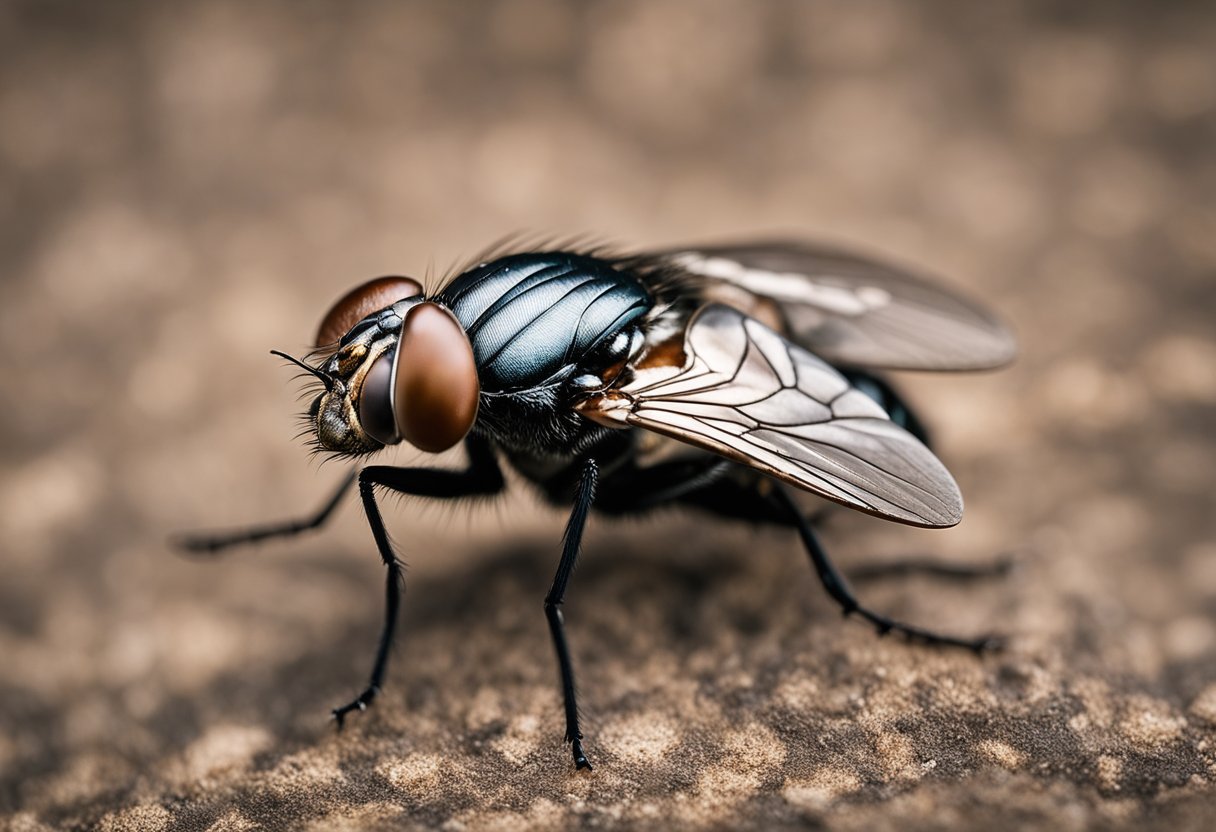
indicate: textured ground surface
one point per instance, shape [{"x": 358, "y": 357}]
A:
[{"x": 188, "y": 185}]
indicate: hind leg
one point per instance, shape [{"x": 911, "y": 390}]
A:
[{"x": 840, "y": 592}]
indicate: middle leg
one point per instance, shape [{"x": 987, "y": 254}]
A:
[{"x": 931, "y": 567}]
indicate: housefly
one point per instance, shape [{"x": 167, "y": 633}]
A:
[{"x": 719, "y": 378}]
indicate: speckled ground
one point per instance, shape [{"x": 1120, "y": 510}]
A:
[{"x": 188, "y": 185}]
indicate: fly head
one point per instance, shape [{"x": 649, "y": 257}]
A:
[{"x": 401, "y": 369}]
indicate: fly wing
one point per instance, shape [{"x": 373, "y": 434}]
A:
[
  {"x": 743, "y": 391},
  {"x": 849, "y": 309}
]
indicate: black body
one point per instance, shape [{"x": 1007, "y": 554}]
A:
[
  {"x": 542, "y": 326},
  {"x": 545, "y": 328},
  {"x": 535, "y": 319}
]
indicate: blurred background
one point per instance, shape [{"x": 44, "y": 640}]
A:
[{"x": 188, "y": 185}]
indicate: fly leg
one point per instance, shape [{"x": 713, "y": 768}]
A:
[
  {"x": 1001, "y": 566},
  {"x": 482, "y": 477},
  {"x": 840, "y": 592},
  {"x": 217, "y": 541},
  {"x": 926, "y": 565},
  {"x": 584, "y": 495}
]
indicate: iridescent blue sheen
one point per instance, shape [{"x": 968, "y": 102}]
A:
[{"x": 533, "y": 317}]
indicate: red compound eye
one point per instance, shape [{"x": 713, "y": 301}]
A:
[
  {"x": 435, "y": 386},
  {"x": 360, "y": 302}
]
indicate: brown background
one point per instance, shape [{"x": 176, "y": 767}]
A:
[{"x": 187, "y": 185}]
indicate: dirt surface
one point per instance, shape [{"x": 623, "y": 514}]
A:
[{"x": 188, "y": 185}]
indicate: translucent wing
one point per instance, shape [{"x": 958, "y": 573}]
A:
[
  {"x": 743, "y": 391},
  {"x": 850, "y": 310}
]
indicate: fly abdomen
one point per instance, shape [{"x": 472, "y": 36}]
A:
[{"x": 532, "y": 316}]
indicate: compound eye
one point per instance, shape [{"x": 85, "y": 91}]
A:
[
  {"x": 376, "y": 402},
  {"x": 435, "y": 385},
  {"x": 362, "y": 301}
]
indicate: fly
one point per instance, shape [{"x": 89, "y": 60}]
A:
[{"x": 718, "y": 378}]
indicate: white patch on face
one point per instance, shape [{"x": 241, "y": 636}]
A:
[{"x": 791, "y": 287}]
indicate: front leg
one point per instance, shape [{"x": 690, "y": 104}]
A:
[
  {"x": 212, "y": 542},
  {"x": 584, "y": 495},
  {"x": 481, "y": 477}
]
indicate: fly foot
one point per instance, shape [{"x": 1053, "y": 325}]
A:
[
  {"x": 360, "y": 704},
  {"x": 580, "y": 758}
]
